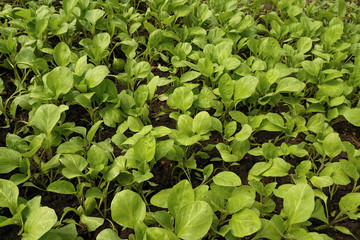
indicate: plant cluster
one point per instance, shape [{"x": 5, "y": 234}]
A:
[{"x": 250, "y": 108}]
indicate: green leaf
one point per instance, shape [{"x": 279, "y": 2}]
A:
[
  {"x": 289, "y": 84},
  {"x": 107, "y": 234},
  {"x": 272, "y": 229},
  {"x": 182, "y": 98},
  {"x": 9, "y": 160},
  {"x": 25, "y": 57},
  {"x": 350, "y": 202},
  {"x": 313, "y": 67},
  {"x": 332, "y": 34},
  {"x": 245, "y": 87},
  {"x": 226, "y": 87},
  {"x": 69, "y": 5},
  {"x": 47, "y": 116},
  {"x": 205, "y": 66},
  {"x": 181, "y": 194},
  {"x": 141, "y": 69},
  {"x": 160, "y": 199},
  {"x": 145, "y": 148},
  {"x": 92, "y": 223},
  {"x": 332, "y": 145},
  {"x": 279, "y": 168},
  {"x": 96, "y": 156},
  {"x": 155, "y": 233},
  {"x": 193, "y": 220},
  {"x": 164, "y": 219},
  {"x": 67, "y": 232},
  {"x": 59, "y": 85},
  {"x": 244, "y": 133},
  {"x": 90, "y": 135},
  {"x": 189, "y": 76},
  {"x": 127, "y": 208},
  {"x": 9, "y": 193},
  {"x": 352, "y": 116},
  {"x": 202, "y": 123},
  {"x": 299, "y": 203},
  {"x": 227, "y": 179},
  {"x": 241, "y": 197},
  {"x": 96, "y": 75},
  {"x": 62, "y": 54},
  {"x": 39, "y": 222},
  {"x": 322, "y": 181},
  {"x": 62, "y": 187},
  {"x": 304, "y": 44},
  {"x": 244, "y": 223},
  {"x": 93, "y": 15},
  {"x": 231, "y": 63}
]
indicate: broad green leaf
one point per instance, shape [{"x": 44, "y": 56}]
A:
[
  {"x": 67, "y": 232},
  {"x": 155, "y": 233},
  {"x": 244, "y": 223},
  {"x": 322, "y": 181},
  {"x": 102, "y": 41},
  {"x": 96, "y": 75},
  {"x": 182, "y": 98},
  {"x": 96, "y": 156},
  {"x": 141, "y": 95},
  {"x": 332, "y": 34},
  {"x": 25, "y": 57},
  {"x": 92, "y": 223},
  {"x": 189, "y": 76},
  {"x": 107, "y": 234},
  {"x": 62, "y": 187},
  {"x": 230, "y": 129},
  {"x": 226, "y": 87},
  {"x": 205, "y": 66},
  {"x": 350, "y": 202},
  {"x": 244, "y": 133},
  {"x": 93, "y": 15},
  {"x": 127, "y": 208},
  {"x": 90, "y": 135},
  {"x": 271, "y": 229},
  {"x": 332, "y": 145},
  {"x": 241, "y": 197},
  {"x": 352, "y": 115},
  {"x": 316, "y": 123},
  {"x": 141, "y": 69},
  {"x": 135, "y": 124},
  {"x": 69, "y": 5},
  {"x": 299, "y": 203},
  {"x": 279, "y": 168},
  {"x": 304, "y": 44},
  {"x": 9, "y": 160},
  {"x": 193, "y": 220},
  {"x": 231, "y": 63},
  {"x": 350, "y": 168},
  {"x": 290, "y": 84},
  {"x": 62, "y": 54},
  {"x": 202, "y": 123},
  {"x": 9, "y": 193},
  {"x": 181, "y": 194},
  {"x": 39, "y": 222},
  {"x": 160, "y": 199},
  {"x": 164, "y": 219},
  {"x": 227, "y": 179},
  {"x": 145, "y": 148},
  {"x": 59, "y": 85},
  {"x": 47, "y": 116},
  {"x": 245, "y": 87},
  {"x": 312, "y": 67}
]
